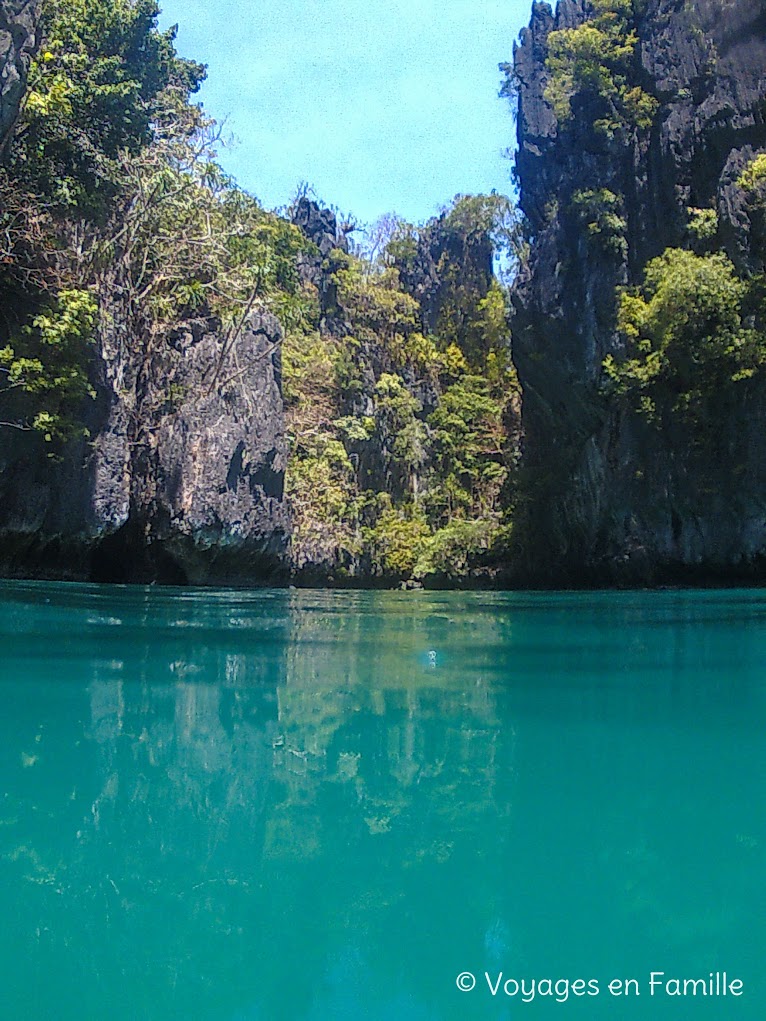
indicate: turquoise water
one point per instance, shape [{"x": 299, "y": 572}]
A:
[{"x": 309, "y": 806}]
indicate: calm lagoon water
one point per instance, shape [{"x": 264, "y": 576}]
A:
[{"x": 318, "y": 806}]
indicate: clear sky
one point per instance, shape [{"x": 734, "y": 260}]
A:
[{"x": 381, "y": 105}]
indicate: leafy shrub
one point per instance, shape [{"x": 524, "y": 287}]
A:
[
  {"x": 597, "y": 58},
  {"x": 454, "y": 549},
  {"x": 395, "y": 543},
  {"x": 753, "y": 177},
  {"x": 48, "y": 366},
  {"x": 686, "y": 336},
  {"x": 599, "y": 211},
  {"x": 321, "y": 488},
  {"x": 703, "y": 224},
  {"x": 467, "y": 438}
]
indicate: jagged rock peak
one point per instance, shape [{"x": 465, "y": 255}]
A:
[{"x": 320, "y": 225}]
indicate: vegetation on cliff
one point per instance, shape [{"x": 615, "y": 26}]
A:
[
  {"x": 691, "y": 338},
  {"x": 598, "y": 60},
  {"x": 399, "y": 428},
  {"x": 640, "y": 327},
  {"x": 693, "y": 329},
  {"x": 117, "y": 220}
]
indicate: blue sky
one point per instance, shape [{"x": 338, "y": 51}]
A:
[{"x": 381, "y": 105}]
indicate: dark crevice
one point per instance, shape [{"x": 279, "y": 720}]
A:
[
  {"x": 124, "y": 558},
  {"x": 235, "y": 467}
]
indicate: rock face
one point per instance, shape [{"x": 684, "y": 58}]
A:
[
  {"x": 610, "y": 500},
  {"x": 439, "y": 249},
  {"x": 19, "y": 38},
  {"x": 183, "y": 480},
  {"x": 320, "y": 226}
]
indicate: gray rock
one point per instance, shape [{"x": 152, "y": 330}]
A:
[
  {"x": 19, "y": 39},
  {"x": 611, "y": 500},
  {"x": 183, "y": 480},
  {"x": 320, "y": 225}
]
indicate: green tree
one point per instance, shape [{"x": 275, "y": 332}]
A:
[
  {"x": 321, "y": 487},
  {"x": 457, "y": 547},
  {"x": 402, "y": 435},
  {"x": 468, "y": 437},
  {"x": 597, "y": 58},
  {"x": 396, "y": 541},
  {"x": 102, "y": 78},
  {"x": 43, "y": 373},
  {"x": 378, "y": 309},
  {"x": 686, "y": 336}
]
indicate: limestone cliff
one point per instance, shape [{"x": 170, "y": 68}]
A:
[
  {"x": 182, "y": 479},
  {"x": 609, "y": 499},
  {"x": 19, "y": 37}
]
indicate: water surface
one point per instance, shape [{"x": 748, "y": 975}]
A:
[{"x": 325, "y": 806}]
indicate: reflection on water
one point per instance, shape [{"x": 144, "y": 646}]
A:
[{"x": 314, "y": 805}]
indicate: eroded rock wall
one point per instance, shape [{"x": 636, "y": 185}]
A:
[
  {"x": 608, "y": 498},
  {"x": 182, "y": 478}
]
